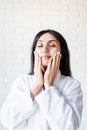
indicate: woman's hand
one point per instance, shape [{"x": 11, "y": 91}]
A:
[
  {"x": 38, "y": 76},
  {"x": 52, "y": 70}
]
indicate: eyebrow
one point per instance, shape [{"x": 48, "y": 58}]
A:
[{"x": 48, "y": 41}]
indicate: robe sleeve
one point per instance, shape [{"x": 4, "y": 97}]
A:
[
  {"x": 18, "y": 107},
  {"x": 62, "y": 109}
]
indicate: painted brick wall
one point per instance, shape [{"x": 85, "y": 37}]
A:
[{"x": 20, "y": 20}]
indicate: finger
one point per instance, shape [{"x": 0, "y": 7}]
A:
[
  {"x": 58, "y": 58},
  {"x": 39, "y": 64},
  {"x": 42, "y": 68},
  {"x": 59, "y": 53},
  {"x": 36, "y": 60},
  {"x": 50, "y": 63},
  {"x": 54, "y": 61}
]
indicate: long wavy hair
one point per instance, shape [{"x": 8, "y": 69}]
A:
[{"x": 65, "y": 60}]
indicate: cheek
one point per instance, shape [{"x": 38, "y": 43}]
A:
[
  {"x": 53, "y": 51},
  {"x": 38, "y": 51}
]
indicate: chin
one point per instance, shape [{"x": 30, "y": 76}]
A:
[{"x": 45, "y": 64}]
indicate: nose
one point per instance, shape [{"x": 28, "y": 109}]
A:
[{"x": 45, "y": 49}]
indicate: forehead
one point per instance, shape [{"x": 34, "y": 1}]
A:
[{"x": 47, "y": 37}]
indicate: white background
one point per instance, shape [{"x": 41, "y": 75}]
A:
[{"x": 21, "y": 20}]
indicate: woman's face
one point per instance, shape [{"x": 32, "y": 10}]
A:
[{"x": 46, "y": 47}]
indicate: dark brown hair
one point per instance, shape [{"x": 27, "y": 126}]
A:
[{"x": 65, "y": 60}]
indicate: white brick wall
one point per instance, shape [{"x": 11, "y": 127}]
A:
[{"x": 20, "y": 20}]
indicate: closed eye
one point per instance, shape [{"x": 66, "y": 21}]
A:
[
  {"x": 52, "y": 45},
  {"x": 39, "y": 46}
]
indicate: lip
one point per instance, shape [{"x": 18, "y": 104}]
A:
[{"x": 46, "y": 57}]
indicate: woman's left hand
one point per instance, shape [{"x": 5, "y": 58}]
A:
[{"x": 52, "y": 70}]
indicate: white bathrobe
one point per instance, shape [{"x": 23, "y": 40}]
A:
[{"x": 58, "y": 107}]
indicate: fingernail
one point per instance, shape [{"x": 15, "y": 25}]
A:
[
  {"x": 60, "y": 55},
  {"x": 36, "y": 52},
  {"x": 58, "y": 52}
]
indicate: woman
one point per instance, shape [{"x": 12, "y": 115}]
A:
[{"x": 48, "y": 98}]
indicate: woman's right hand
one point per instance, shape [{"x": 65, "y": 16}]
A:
[{"x": 38, "y": 76}]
